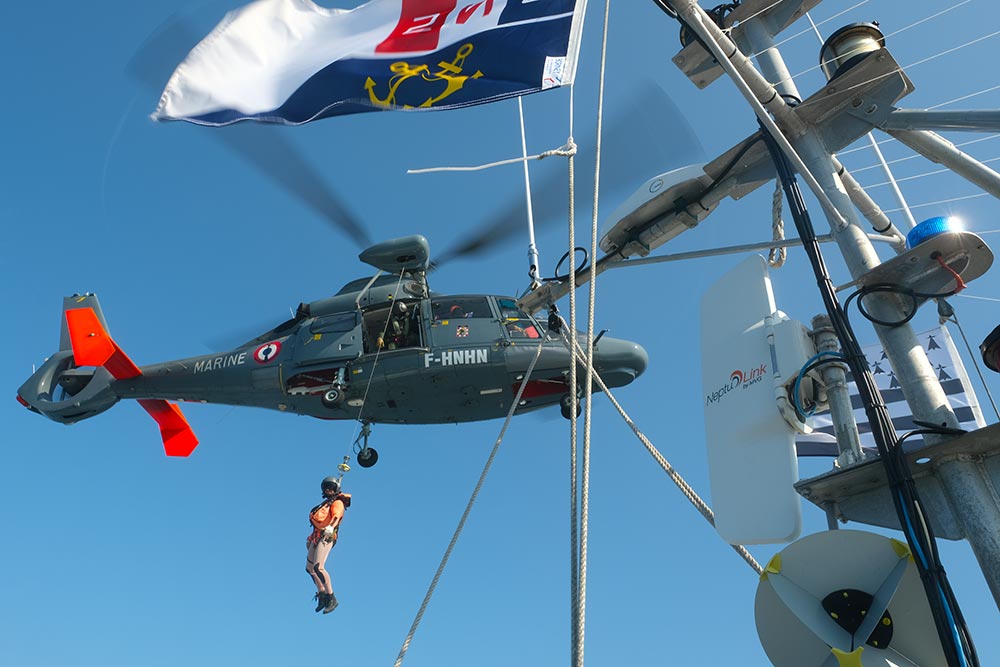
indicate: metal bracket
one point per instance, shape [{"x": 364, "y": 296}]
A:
[
  {"x": 698, "y": 64},
  {"x": 861, "y": 492}
]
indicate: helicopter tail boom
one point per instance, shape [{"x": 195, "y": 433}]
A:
[
  {"x": 93, "y": 346},
  {"x": 65, "y": 392}
]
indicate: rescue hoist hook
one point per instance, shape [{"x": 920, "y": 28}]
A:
[
  {"x": 367, "y": 456},
  {"x": 344, "y": 468}
]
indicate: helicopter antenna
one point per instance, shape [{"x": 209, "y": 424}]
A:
[
  {"x": 532, "y": 249},
  {"x": 357, "y": 301}
]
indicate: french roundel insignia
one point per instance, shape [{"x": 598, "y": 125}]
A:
[{"x": 267, "y": 352}]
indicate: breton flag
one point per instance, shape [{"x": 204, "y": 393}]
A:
[
  {"x": 950, "y": 371},
  {"x": 291, "y": 61}
]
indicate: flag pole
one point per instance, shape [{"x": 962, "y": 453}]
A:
[{"x": 532, "y": 249}]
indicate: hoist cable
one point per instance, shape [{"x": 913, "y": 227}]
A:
[{"x": 378, "y": 348}]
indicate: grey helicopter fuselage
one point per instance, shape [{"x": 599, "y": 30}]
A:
[
  {"x": 453, "y": 359},
  {"x": 384, "y": 350}
]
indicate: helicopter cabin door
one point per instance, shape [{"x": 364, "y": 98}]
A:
[
  {"x": 335, "y": 337},
  {"x": 464, "y": 321},
  {"x": 388, "y": 374},
  {"x": 465, "y": 370},
  {"x": 322, "y": 349}
]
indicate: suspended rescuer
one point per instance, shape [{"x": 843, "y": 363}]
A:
[{"x": 325, "y": 519}]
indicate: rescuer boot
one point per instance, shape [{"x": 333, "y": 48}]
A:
[
  {"x": 331, "y": 603},
  {"x": 320, "y": 600}
]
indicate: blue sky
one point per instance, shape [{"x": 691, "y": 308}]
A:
[{"x": 115, "y": 555}]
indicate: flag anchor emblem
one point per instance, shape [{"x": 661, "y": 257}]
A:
[{"x": 448, "y": 72}]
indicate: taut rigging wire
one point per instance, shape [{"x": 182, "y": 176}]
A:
[
  {"x": 675, "y": 476},
  {"x": 946, "y": 313},
  {"x": 468, "y": 508}
]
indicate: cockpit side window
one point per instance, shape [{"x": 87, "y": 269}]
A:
[
  {"x": 336, "y": 323},
  {"x": 463, "y": 307},
  {"x": 516, "y": 322}
]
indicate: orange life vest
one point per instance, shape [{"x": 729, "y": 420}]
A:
[{"x": 329, "y": 512}]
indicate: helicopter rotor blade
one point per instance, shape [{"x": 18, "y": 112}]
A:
[
  {"x": 277, "y": 159},
  {"x": 648, "y": 137},
  {"x": 260, "y": 146}
]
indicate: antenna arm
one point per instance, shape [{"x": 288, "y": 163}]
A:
[
  {"x": 759, "y": 93},
  {"x": 937, "y": 149},
  {"x": 977, "y": 120},
  {"x": 879, "y": 221},
  {"x": 550, "y": 292}
]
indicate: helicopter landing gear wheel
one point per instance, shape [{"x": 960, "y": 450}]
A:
[
  {"x": 565, "y": 406},
  {"x": 332, "y": 397},
  {"x": 367, "y": 457}
]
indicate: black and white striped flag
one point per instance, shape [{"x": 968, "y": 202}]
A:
[{"x": 950, "y": 371}]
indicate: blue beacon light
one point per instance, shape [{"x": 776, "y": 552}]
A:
[{"x": 929, "y": 229}]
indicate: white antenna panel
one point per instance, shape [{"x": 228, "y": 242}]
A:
[{"x": 751, "y": 449}]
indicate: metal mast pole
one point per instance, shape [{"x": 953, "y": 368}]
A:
[{"x": 973, "y": 500}]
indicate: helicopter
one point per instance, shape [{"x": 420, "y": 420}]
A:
[{"x": 381, "y": 350}]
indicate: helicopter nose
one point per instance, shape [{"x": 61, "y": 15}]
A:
[{"x": 620, "y": 361}]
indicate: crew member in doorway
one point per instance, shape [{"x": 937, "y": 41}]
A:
[{"x": 325, "y": 519}]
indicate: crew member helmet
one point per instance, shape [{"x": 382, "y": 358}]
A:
[{"x": 330, "y": 483}]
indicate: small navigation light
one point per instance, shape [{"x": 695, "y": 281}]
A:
[
  {"x": 991, "y": 350},
  {"x": 930, "y": 228},
  {"x": 844, "y": 48}
]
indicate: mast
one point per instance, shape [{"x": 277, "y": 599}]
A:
[{"x": 970, "y": 497}]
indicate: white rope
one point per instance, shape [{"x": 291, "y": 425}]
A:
[
  {"x": 964, "y": 97},
  {"x": 802, "y": 32},
  {"x": 942, "y": 201},
  {"x": 759, "y": 12},
  {"x": 912, "y": 157},
  {"x": 907, "y": 68},
  {"x": 882, "y": 142},
  {"x": 924, "y": 175},
  {"x": 897, "y": 32},
  {"x": 675, "y": 476},
  {"x": 566, "y": 150},
  {"x": 980, "y": 298},
  {"x": 378, "y": 348},
  {"x": 776, "y": 255},
  {"x": 588, "y": 388},
  {"x": 573, "y": 407},
  {"x": 975, "y": 362},
  {"x": 893, "y": 181},
  {"x": 468, "y": 508}
]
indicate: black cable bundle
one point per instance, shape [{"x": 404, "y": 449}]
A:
[{"x": 951, "y": 627}]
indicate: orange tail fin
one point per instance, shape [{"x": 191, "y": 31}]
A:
[{"x": 93, "y": 346}]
